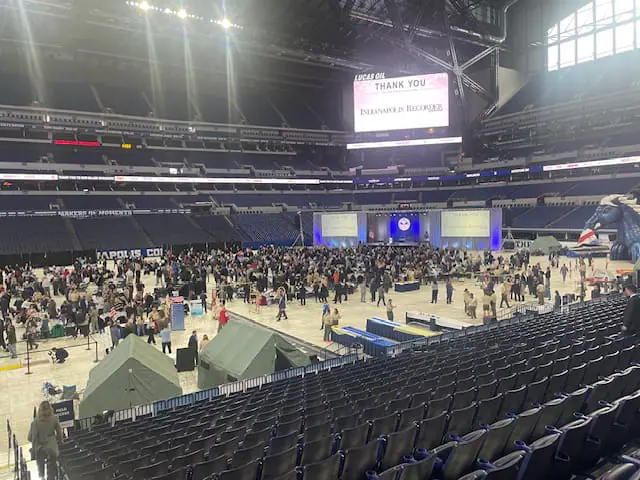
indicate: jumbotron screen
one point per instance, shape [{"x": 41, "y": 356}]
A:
[{"x": 400, "y": 103}]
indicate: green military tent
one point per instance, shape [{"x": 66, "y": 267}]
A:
[
  {"x": 243, "y": 350},
  {"x": 545, "y": 245},
  {"x": 134, "y": 373}
]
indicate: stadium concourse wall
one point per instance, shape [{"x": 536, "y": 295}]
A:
[{"x": 155, "y": 408}]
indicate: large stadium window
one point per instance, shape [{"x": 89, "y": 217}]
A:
[
  {"x": 604, "y": 43},
  {"x": 584, "y": 19},
  {"x": 624, "y": 37},
  {"x": 596, "y": 30},
  {"x": 568, "y": 27},
  {"x": 552, "y": 57},
  {"x": 586, "y": 48},
  {"x": 623, "y": 10},
  {"x": 604, "y": 12},
  {"x": 567, "y": 53}
]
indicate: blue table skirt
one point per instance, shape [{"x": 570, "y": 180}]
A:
[
  {"x": 407, "y": 286},
  {"x": 372, "y": 344}
]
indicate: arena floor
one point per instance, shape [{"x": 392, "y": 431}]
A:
[{"x": 22, "y": 392}]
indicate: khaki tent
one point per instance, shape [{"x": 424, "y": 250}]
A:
[
  {"x": 243, "y": 350},
  {"x": 134, "y": 373},
  {"x": 546, "y": 245}
]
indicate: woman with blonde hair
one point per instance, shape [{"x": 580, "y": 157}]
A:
[{"x": 45, "y": 434}]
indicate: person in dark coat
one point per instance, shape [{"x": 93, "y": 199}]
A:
[
  {"x": 193, "y": 345},
  {"x": 631, "y": 317}
]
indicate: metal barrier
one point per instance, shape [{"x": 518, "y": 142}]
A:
[
  {"x": 28, "y": 355},
  {"x": 20, "y": 469},
  {"x": 153, "y": 409}
]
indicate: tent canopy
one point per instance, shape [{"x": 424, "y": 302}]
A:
[
  {"x": 545, "y": 245},
  {"x": 243, "y": 350},
  {"x": 134, "y": 373}
]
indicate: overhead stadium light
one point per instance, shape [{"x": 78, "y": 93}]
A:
[{"x": 182, "y": 13}]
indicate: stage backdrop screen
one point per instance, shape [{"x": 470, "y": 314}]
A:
[
  {"x": 339, "y": 229},
  {"x": 401, "y": 103},
  {"x": 466, "y": 223},
  {"x": 340, "y": 225}
]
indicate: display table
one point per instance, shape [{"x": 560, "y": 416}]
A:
[
  {"x": 434, "y": 322},
  {"x": 373, "y": 344},
  {"x": 396, "y": 331},
  {"x": 407, "y": 286}
]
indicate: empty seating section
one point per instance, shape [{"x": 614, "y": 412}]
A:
[
  {"x": 541, "y": 398},
  {"x": 373, "y": 198},
  {"x": 482, "y": 193},
  {"x": 219, "y": 227},
  {"x": 109, "y": 233},
  {"x": 436, "y": 196},
  {"x": 26, "y": 202},
  {"x": 123, "y": 101},
  {"x": 274, "y": 228},
  {"x": 575, "y": 83},
  {"x": 246, "y": 199},
  {"x": 90, "y": 202},
  {"x": 575, "y": 219},
  {"x": 34, "y": 235},
  {"x": 152, "y": 201},
  {"x": 540, "y": 217},
  {"x": 72, "y": 96},
  {"x": 539, "y": 189},
  {"x": 407, "y": 196},
  {"x": 172, "y": 230}
]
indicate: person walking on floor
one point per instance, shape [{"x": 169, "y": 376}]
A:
[
  {"x": 473, "y": 306},
  {"x": 193, "y": 346},
  {"x": 373, "y": 288},
  {"x": 381, "y": 294},
  {"x": 44, "y": 434},
  {"x": 363, "y": 291},
  {"x": 326, "y": 310},
  {"x": 390, "y": 307},
  {"x": 563, "y": 272},
  {"x": 282, "y": 307},
  {"x": 449, "y": 288},
  {"x": 152, "y": 329},
  {"x": 223, "y": 315},
  {"x": 11, "y": 339},
  {"x": 165, "y": 337},
  {"x": 434, "y": 291},
  {"x": 330, "y": 320},
  {"x": 506, "y": 289}
]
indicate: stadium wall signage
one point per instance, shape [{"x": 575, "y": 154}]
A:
[{"x": 131, "y": 253}]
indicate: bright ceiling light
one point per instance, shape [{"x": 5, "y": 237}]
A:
[
  {"x": 182, "y": 13},
  {"x": 145, "y": 6},
  {"x": 225, "y": 23}
]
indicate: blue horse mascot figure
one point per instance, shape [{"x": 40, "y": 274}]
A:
[{"x": 622, "y": 212}]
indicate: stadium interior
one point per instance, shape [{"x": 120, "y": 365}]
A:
[{"x": 182, "y": 169}]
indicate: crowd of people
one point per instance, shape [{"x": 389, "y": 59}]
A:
[{"x": 96, "y": 297}]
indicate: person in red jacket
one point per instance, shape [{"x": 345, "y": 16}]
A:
[{"x": 223, "y": 317}]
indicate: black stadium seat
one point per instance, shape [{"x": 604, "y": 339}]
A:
[{"x": 497, "y": 416}]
